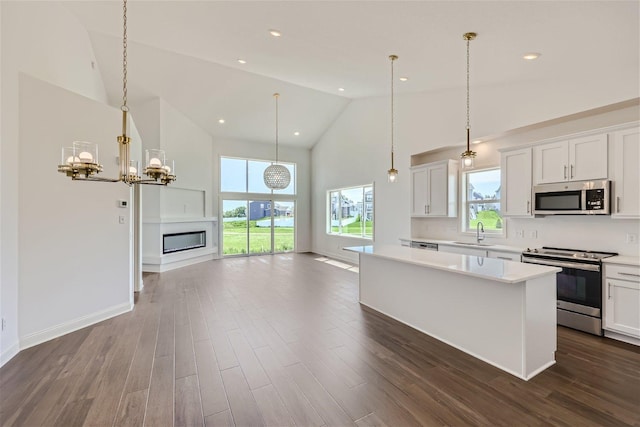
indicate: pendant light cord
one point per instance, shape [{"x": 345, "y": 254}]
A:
[
  {"x": 124, "y": 57},
  {"x": 276, "y": 95},
  {"x": 468, "y": 38},
  {"x": 393, "y": 58}
]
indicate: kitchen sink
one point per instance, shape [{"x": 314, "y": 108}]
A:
[{"x": 472, "y": 244}]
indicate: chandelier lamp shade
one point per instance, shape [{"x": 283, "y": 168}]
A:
[
  {"x": 276, "y": 176},
  {"x": 80, "y": 161},
  {"x": 467, "y": 158},
  {"x": 392, "y": 174}
]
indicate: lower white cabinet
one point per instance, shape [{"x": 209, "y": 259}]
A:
[
  {"x": 622, "y": 299},
  {"x": 509, "y": 256},
  {"x": 463, "y": 250}
]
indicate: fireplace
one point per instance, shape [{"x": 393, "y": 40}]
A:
[{"x": 177, "y": 242}]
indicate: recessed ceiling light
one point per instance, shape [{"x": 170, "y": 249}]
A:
[
  {"x": 531, "y": 56},
  {"x": 477, "y": 141},
  {"x": 296, "y": 133},
  {"x": 404, "y": 79},
  {"x": 275, "y": 33},
  {"x": 340, "y": 89},
  {"x": 242, "y": 61},
  {"x": 221, "y": 121}
]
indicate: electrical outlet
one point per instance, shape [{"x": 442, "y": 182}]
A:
[
  {"x": 520, "y": 233},
  {"x": 533, "y": 234},
  {"x": 4, "y": 324},
  {"x": 632, "y": 238},
  {"x": 121, "y": 219}
]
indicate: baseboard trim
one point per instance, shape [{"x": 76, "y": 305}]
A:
[
  {"x": 9, "y": 353},
  {"x": 73, "y": 325}
]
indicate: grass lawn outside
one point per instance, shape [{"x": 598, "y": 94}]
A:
[
  {"x": 234, "y": 238},
  {"x": 490, "y": 219},
  {"x": 355, "y": 229}
]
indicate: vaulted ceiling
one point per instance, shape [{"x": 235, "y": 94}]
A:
[{"x": 187, "y": 53}]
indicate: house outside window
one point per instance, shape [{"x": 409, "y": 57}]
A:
[
  {"x": 481, "y": 201},
  {"x": 350, "y": 212}
]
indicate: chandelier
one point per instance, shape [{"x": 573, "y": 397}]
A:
[
  {"x": 392, "y": 174},
  {"x": 276, "y": 176},
  {"x": 80, "y": 161},
  {"x": 467, "y": 158}
]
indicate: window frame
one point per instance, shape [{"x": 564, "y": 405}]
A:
[
  {"x": 292, "y": 166},
  {"x": 466, "y": 204},
  {"x": 329, "y": 213}
]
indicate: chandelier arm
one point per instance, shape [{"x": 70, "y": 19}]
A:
[{"x": 94, "y": 178}]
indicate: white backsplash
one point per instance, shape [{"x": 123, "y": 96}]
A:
[{"x": 574, "y": 231}]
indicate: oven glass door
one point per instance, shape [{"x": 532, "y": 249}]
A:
[
  {"x": 580, "y": 287},
  {"x": 559, "y": 201}
]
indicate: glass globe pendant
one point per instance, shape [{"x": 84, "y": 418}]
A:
[{"x": 467, "y": 157}]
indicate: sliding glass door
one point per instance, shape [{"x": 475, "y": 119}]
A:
[{"x": 252, "y": 227}]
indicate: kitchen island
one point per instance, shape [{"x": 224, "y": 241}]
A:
[{"x": 502, "y": 312}]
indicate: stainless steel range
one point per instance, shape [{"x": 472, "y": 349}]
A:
[{"x": 579, "y": 285}]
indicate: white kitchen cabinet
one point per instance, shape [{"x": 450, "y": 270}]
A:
[
  {"x": 576, "y": 159},
  {"x": 508, "y": 256},
  {"x": 434, "y": 189},
  {"x": 464, "y": 250},
  {"x": 622, "y": 299},
  {"x": 626, "y": 174},
  {"x": 515, "y": 183}
]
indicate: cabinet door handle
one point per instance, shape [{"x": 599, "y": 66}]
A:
[
  {"x": 428, "y": 209},
  {"x": 629, "y": 274},
  {"x": 565, "y": 171},
  {"x": 425, "y": 209},
  {"x": 618, "y": 204},
  {"x": 528, "y": 206},
  {"x": 571, "y": 174},
  {"x": 609, "y": 290},
  {"x": 504, "y": 257}
]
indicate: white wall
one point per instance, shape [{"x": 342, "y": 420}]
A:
[
  {"x": 74, "y": 264},
  {"x": 44, "y": 40},
  {"x": 191, "y": 195},
  {"x": 355, "y": 150},
  {"x": 300, "y": 156}
]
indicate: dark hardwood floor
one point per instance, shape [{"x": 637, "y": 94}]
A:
[{"x": 281, "y": 340}]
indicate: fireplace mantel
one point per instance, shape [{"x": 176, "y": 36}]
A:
[{"x": 153, "y": 230}]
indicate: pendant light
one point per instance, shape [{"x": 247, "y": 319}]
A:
[
  {"x": 276, "y": 176},
  {"x": 467, "y": 158},
  {"x": 392, "y": 174},
  {"x": 80, "y": 161}
]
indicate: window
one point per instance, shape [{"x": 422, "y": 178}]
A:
[
  {"x": 350, "y": 212},
  {"x": 481, "y": 199},
  {"x": 246, "y": 176}
]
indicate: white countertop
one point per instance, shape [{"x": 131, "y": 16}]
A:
[
  {"x": 485, "y": 268},
  {"x": 625, "y": 260},
  {"x": 484, "y": 245}
]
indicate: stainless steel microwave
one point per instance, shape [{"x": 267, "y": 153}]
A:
[{"x": 572, "y": 198}]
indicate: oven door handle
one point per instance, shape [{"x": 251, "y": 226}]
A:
[{"x": 555, "y": 263}]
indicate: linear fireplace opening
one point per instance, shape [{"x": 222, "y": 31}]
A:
[{"x": 176, "y": 242}]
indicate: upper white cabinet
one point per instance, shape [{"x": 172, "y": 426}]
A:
[
  {"x": 577, "y": 159},
  {"x": 434, "y": 189},
  {"x": 515, "y": 183},
  {"x": 626, "y": 175}
]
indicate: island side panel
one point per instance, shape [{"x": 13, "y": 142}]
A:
[
  {"x": 541, "y": 324},
  {"x": 478, "y": 316}
]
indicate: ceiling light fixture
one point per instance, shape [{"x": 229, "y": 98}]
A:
[
  {"x": 296, "y": 133},
  {"x": 531, "y": 56},
  {"x": 340, "y": 89},
  {"x": 392, "y": 174},
  {"x": 80, "y": 161},
  {"x": 404, "y": 79},
  {"x": 242, "y": 61},
  {"x": 467, "y": 158},
  {"x": 276, "y": 176},
  {"x": 477, "y": 141},
  {"x": 275, "y": 33},
  {"x": 221, "y": 121}
]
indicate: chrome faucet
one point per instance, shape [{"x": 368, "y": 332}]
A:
[{"x": 479, "y": 228}]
